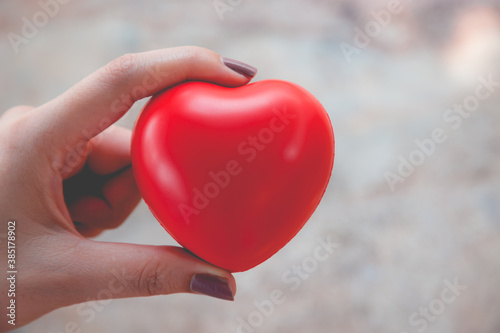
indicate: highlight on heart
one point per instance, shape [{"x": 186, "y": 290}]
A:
[{"x": 248, "y": 150}]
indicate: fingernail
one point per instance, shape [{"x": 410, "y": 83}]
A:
[
  {"x": 211, "y": 285},
  {"x": 240, "y": 67}
]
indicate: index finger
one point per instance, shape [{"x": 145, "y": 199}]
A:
[{"x": 103, "y": 97}]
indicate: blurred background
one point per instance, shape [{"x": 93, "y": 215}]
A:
[{"x": 416, "y": 223}]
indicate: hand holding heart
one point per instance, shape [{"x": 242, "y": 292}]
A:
[{"x": 63, "y": 181}]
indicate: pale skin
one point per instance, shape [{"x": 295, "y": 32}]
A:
[{"x": 41, "y": 147}]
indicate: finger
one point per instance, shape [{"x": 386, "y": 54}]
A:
[
  {"x": 103, "y": 97},
  {"x": 94, "y": 213},
  {"x": 116, "y": 270},
  {"x": 110, "y": 150},
  {"x": 122, "y": 195},
  {"x": 107, "y": 152},
  {"x": 103, "y": 194},
  {"x": 86, "y": 231},
  {"x": 15, "y": 112}
]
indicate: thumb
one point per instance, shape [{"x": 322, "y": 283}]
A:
[{"x": 118, "y": 270}]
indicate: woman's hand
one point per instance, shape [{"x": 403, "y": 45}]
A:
[{"x": 65, "y": 175}]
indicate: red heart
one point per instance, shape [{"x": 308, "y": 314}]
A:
[{"x": 233, "y": 173}]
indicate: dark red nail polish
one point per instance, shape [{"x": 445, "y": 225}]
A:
[
  {"x": 211, "y": 285},
  {"x": 240, "y": 67}
]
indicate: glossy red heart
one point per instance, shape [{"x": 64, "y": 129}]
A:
[{"x": 233, "y": 173}]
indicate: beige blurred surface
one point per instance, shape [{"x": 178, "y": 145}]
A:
[{"x": 397, "y": 251}]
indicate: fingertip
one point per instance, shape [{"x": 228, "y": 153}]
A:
[
  {"x": 204, "y": 64},
  {"x": 232, "y": 284},
  {"x": 212, "y": 285},
  {"x": 239, "y": 67}
]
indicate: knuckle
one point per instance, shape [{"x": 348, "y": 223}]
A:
[
  {"x": 195, "y": 50},
  {"x": 12, "y": 127},
  {"x": 14, "y": 115},
  {"x": 196, "y": 53},
  {"x": 153, "y": 280},
  {"x": 122, "y": 67},
  {"x": 17, "y": 110}
]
